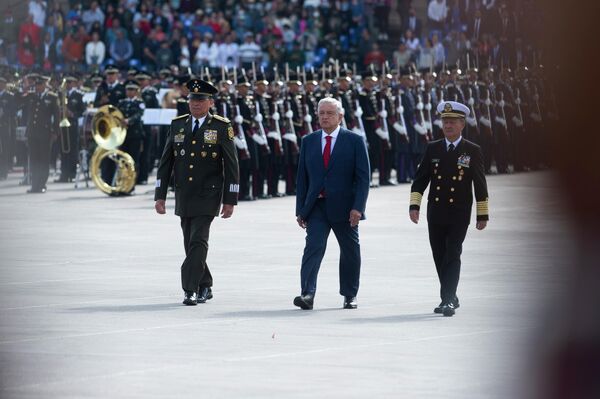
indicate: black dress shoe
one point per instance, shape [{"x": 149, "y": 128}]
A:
[
  {"x": 304, "y": 301},
  {"x": 63, "y": 180},
  {"x": 36, "y": 190},
  {"x": 449, "y": 310},
  {"x": 374, "y": 185},
  {"x": 440, "y": 308},
  {"x": 387, "y": 183},
  {"x": 264, "y": 196},
  {"x": 190, "y": 299},
  {"x": 248, "y": 198},
  {"x": 350, "y": 302},
  {"x": 204, "y": 294},
  {"x": 278, "y": 195}
]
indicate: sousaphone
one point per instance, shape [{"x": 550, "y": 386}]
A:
[{"x": 109, "y": 132}]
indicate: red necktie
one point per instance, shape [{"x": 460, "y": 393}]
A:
[{"x": 327, "y": 151}]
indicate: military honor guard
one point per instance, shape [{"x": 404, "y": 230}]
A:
[
  {"x": 8, "y": 111},
  {"x": 75, "y": 107},
  {"x": 332, "y": 189},
  {"x": 201, "y": 154},
  {"x": 452, "y": 167}
]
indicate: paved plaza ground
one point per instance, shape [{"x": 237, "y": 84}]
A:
[{"x": 90, "y": 301}]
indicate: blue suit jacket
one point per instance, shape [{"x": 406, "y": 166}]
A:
[{"x": 345, "y": 181}]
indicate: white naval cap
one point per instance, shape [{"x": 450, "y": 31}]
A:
[{"x": 452, "y": 109}]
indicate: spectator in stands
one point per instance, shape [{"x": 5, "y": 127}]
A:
[
  {"x": 73, "y": 47},
  {"x": 185, "y": 54},
  {"x": 413, "y": 23},
  {"x": 95, "y": 51},
  {"x": 59, "y": 19},
  {"x": 137, "y": 37},
  {"x": 425, "y": 59},
  {"x": 144, "y": 18},
  {"x": 294, "y": 57},
  {"x": 164, "y": 56},
  {"x": 402, "y": 56},
  {"x": 375, "y": 56},
  {"x": 228, "y": 52},
  {"x": 46, "y": 56},
  {"x": 411, "y": 41},
  {"x": 439, "y": 53},
  {"x": 37, "y": 10},
  {"x": 92, "y": 15},
  {"x": 454, "y": 16},
  {"x": 382, "y": 12},
  {"x": 9, "y": 32},
  {"x": 121, "y": 50},
  {"x": 249, "y": 52},
  {"x": 111, "y": 33},
  {"x": 364, "y": 45},
  {"x": 207, "y": 53},
  {"x": 456, "y": 47},
  {"x": 30, "y": 29},
  {"x": 436, "y": 14},
  {"x": 26, "y": 51}
]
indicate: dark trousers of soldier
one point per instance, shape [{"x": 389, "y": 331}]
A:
[
  {"x": 5, "y": 153},
  {"x": 446, "y": 245},
  {"x": 259, "y": 176},
  {"x": 405, "y": 170},
  {"x": 274, "y": 170},
  {"x": 69, "y": 159},
  {"x": 501, "y": 148},
  {"x": 388, "y": 153},
  {"x": 374, "y": 148},
  {"x": 290, "y": 167},
  {"x": 146, "y": 163},
  {"x": 39, "y": 161},
  {"x": 517, "y": 148},
  {"x": 244, "y": 175},
  {"x": 485, "y": 141},
  {"x": 194, "y": 270}
]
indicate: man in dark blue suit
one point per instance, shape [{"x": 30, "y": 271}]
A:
[{"x": 331, "y": 194}]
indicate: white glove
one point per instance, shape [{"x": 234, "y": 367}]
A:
[
  {"x": 238, "y": 119},
  {"x": 472, "y": 121},
  {"x": 518, "y": 122},
  {"x": 275, "y": 116},
  {"x": 290, "y": 137},
  {"x": 383, "y": 113},
  {"x": 428, "y": 106},
  {"x": 536, "y": 117},
  {"x": 438, "y": 123},
  {"x": 382, "y": 133},
  {"x": 471, "y": 101},
  {"x": 399, "y": 128},
  {"x": 421, "y": 129},
  {"x": 428, "y": 125},
  {"x": 289, "y": 114},
  {"x": 258, "y": 117},
  {"x": 400, "y": 109},
  {"x": 239, "y": 143},
  {"x": 273, "y": 135},
  {"x": 358, "y": 113},
  {"x": 501, "y": 120},
  {"x": 518, "y": 101},
  {"x": 358, "y": 131},
  {"x": 420, "y": 106},
  {"x": 307, "y": 118},
  {"x": 485, "y": 121},
  {"x": 488, "y": 102},
  {"x": 260, "y": 140},
  {"x": 501, "y": 103}
]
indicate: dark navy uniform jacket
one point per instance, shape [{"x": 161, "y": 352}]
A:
[{"x": 452, "y": 176}]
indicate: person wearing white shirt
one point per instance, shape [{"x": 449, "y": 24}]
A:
[
  {"x": 95, "y": 51},
  {"x": 37, "y": 9},
  {"x": 437, "y": 13},
  {"x": 228, "y": 53}
]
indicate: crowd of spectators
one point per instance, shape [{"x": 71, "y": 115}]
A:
[{"x": 84, "y": 35}]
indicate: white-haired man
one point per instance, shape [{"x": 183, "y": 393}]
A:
[{"x": 331, "y": 194}]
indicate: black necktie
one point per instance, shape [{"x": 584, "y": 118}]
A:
[
  {"x": 451, "y": 147},
  {"x": 196, "y": 126}
]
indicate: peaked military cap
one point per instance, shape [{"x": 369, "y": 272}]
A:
[
  {"x": 201, "y": 89},
  {"x": 452, "y": 109},
  {"x": 242, "y": 80},
  {"x": 111, "y": 69},
  {"x": 143, "y": 76},
  {"x": 132, "y": 84}
]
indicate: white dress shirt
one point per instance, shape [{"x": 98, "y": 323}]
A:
[
  {"x": 200, "y": 122},
  {"x": 448, "y": 142},
  {"x": 333, "y": 135}
]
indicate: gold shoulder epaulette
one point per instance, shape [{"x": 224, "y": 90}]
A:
[
  {"x": 181, "y": 117},
  {"x": 221, "y": 118}
]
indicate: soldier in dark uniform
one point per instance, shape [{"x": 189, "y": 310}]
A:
[
  {"x": 42, "y": 127},
  {"x": 182, "y": 101},
  {"x": 249, "y": 167},
  {"x": 7, "y": 127},
  {"x": 75, "y": 109},
  {"x": 110, "y": 91},
  {"x": 454, "y": 166},
  {"x": 263, "y": 118},
  {"x": 201, "y": 153},
  {"x": 147, "y": 155},
  {"x": 368, "y": 103},
  {"x": 132, "y": 108}
]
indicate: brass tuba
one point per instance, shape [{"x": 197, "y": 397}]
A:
[{"x": 109, "y": 131}]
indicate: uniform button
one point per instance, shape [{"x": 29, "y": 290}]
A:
[
  {"x": 436, "y": 199},
  {"x": 191, "y": 166},
  {"x": 459, "y": 167},
  {"x": 190, "y": 178},
  {"x": 192, "y": 154},
  {"x": 439, "y": 177},
  {"x": 453, "y": 177},
  {"x": 452, "y": 189},
  {"x": 438, "y": 188},
  {"x": 193, "y": 141},
  {"x": 451, "y": 200}
]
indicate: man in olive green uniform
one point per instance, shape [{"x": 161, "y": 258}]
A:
[
  {"x": 201, "y": 153},
  {"x": 454, "y": 166}
]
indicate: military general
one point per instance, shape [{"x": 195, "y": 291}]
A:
[
  {"x": 201, "y": 153},
  {"x": 452, "y": 167}
]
